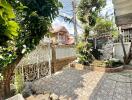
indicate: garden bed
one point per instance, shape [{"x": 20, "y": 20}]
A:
[
  {"x": 101, "y": 66},
  {"x": 79, "y": 66},
  {"x": 128, "y": 67},
  {"x": 108, "y": 70}
]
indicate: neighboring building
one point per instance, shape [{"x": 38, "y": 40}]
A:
[
  {"x": 60, "y": 35},
  {"x": 123, "y": 17}
]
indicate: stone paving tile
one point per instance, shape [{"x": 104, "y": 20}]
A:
[
  {"x": 101, "y": 97},
  {"x": 118, "y": 96},
  {"x": 128, "y": 96},
  {"x": 71, "y": 84}
]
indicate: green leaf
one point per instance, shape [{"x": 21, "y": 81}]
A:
[
  {"x": 1, "y": 57},
  {"x": 8, "y": 10},
  {"x": 13, "y": 27}
]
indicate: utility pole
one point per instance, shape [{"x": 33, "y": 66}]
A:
[{"x": 75, "y": 20}]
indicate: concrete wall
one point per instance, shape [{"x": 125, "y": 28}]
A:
[
  {"x": 39, "y": 55},
  {"x": 65, "y": 51},
  {"x": 118, "y": 51},
  {"x": 35, "y": 65}
]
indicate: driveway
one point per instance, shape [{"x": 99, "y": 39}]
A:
[{"x": 72, "y": 84}]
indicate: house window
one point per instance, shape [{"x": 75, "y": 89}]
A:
[
  {"x": 130, "y": 35},
  {"x": 127, "y": 35},
  {"x": 60, "y": 38}
]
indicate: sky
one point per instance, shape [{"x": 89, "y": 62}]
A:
[
  {"x": 108, "y": 8},
  {"x": 67, "y": 10}
]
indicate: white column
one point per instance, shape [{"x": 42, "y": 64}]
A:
[
  {"x": 37, "y": 69},
  {"x": 23, "y": 74}
]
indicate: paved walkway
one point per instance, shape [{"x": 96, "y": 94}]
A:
[{"x": 71, "y": 84}]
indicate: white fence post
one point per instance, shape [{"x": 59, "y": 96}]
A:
[
  {"x": 37, "y": 69},
  {"x": 23, "y": 74}
]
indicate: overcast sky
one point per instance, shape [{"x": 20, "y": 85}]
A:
[{"x": 67, "y": 10}]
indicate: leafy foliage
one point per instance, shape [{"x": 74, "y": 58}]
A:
[
  {"x": 84, "y": 55},
  {"x": 19, "y": 83},
  {"x": 37, "y": 17},
  {"x": 105, "y": 26},
  {"x": 7, "y": 55},
  {"x": 34, "y": 18},
  {"x": 88, "y": 11},
  {"x": 112, "y": 63},
  {"x": 96, "y": 53},
  {"x": 23, "y": 23},
  {"x": 8, "y": 27}
]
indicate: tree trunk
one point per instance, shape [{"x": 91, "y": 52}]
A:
[
  {"x": 122, "y": 43},
  {"x": 8, "y": 73},
  {"x": 127, "y": 57},
  {"x": 6, "y": 87},
  {"x": 127, "y": 60},
  {"x": 1, "y": 91}
]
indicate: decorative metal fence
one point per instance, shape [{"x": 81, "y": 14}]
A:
[{"x": 34, "y": 71}]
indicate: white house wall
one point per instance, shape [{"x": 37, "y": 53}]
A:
[{"x": 118, "y": 51}]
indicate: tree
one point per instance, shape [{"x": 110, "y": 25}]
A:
[
  {"x": 127, "y": 57},
  {"x": 88, "y": 11},
  {"x": 34, "y": 17},
  {"x": 8, "y": 32},
  {"x": 105, "y": 26}
]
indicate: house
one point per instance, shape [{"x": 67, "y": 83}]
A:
[
  {"x": 60, "y": 35},
  {"x": 123, "y": 19}
]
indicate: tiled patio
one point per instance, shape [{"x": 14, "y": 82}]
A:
[{"x": 72, "y": 84}]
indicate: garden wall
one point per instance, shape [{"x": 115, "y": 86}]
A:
[
  {"x": 118, "y": 51},
  {"x": 36, "y": 64}
]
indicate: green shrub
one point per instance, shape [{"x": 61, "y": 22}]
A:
[
  {"x": 113, "y": 63},
  {"x": 96, "y": 53},
  {"x": 1, "y": 82},
  {"x": 83, "y": 51},
  {"x": 19, "y": 83}
]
